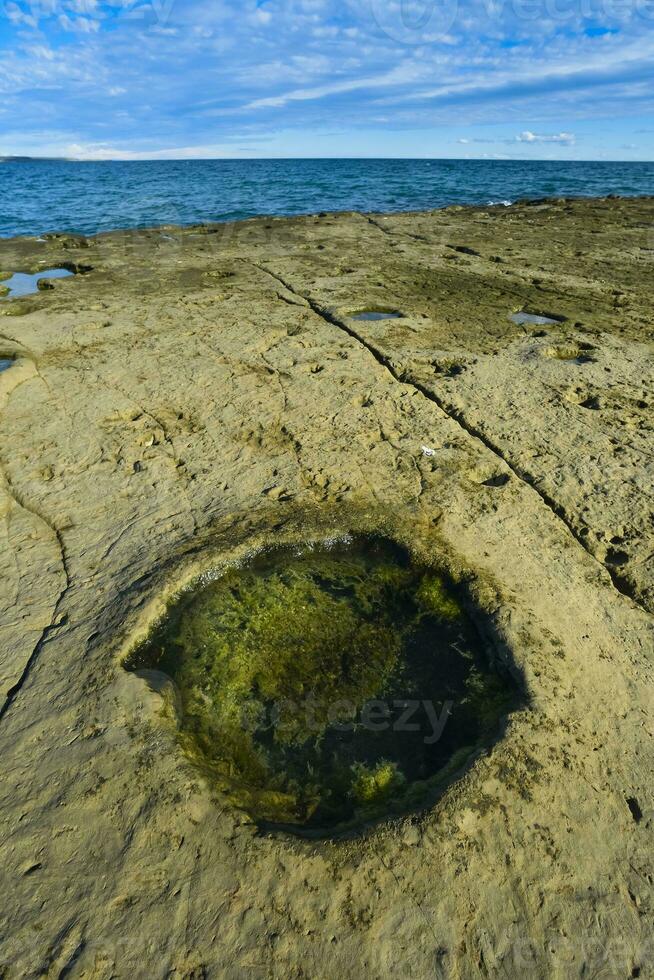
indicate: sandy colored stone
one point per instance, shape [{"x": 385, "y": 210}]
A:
[{"x": 203, "y": 392}]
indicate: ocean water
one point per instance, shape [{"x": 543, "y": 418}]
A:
[{"x": 37, "y": 196}]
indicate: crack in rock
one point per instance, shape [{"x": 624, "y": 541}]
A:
[{"x": 403, "y": 377}]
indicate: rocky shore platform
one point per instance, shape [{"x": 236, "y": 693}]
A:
[{"x": 191, "y": 395}]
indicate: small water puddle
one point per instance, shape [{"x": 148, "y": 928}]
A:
[
  {"x": 536, "y": 319},
  {"x": 24, "y": 283},
  {"x": 377, "y": 315},
  {"x": 5, "y": 363},
  {"x": 329, "y": 688}
]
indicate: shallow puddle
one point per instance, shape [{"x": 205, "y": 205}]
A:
[
  {"x": 536, "y": 319},
  {"x": 376, "y": 315},
  {"x": 329, "y": 688},
  {"x": 5, "y": 362},
  {"x": 24, "y": 283}
]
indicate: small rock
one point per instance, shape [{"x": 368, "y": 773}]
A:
[
  {"x": 30, "y": 867},
  {"x": 278, "y": 493},
  {"x": 412, "y": 836}
]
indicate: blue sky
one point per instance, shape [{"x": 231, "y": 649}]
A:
[{"x": 524, "y": 79}]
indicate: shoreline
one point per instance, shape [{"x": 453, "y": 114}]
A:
[
  {"x": 190, "y": 399},
  {"x": 289, "y": 216}
]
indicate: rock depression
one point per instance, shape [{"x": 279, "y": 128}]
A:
[{"x": 210, "y": 398}]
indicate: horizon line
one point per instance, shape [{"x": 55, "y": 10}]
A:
[{"x": 9, "y": 157}]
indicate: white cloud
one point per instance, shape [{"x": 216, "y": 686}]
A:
[
  {"x": 528, "y": 137},
  {"x": 105, "y": 151},
  {"x": 192, "y": 73},
  {"x": 78, "y": 25},
  {"x": 261, "y": 16},
  {"x": 566, "y": 139},
  {"x": 82, "y": 6},
  {"x": 18, "y": 16},
  {"x": 403, "y": 74}
]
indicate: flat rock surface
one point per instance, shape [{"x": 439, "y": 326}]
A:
[{"x": 193, "y": 394}]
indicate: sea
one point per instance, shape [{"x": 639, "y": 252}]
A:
[{"x": 38, "y": 196}]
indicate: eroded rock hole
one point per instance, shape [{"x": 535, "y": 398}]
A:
[
  {"x": 367, "y": 315},
  {"x": 331, "y": 687},
  {"x": 578, "y": 353},
  {"x": 466, "y": 250},
  {"x": 592, "y": 402},
  {"x": 635, "y": 809},
  {"x": 24, "y": 283},
  {"x": 500, "y": 480},
  {"x": 523, "y": 317}
]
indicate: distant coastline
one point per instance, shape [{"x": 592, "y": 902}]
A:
[{"x": 20, "y": 159}]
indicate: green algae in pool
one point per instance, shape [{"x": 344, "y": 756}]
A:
[{"x": 330, "y": 687}]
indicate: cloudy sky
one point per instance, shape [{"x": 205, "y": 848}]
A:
[{"x": 524, "y": 79}]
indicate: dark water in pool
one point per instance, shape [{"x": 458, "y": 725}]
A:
[
  {"x": 329, "y": 688},
  {"x": 38, "y": 196}
]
